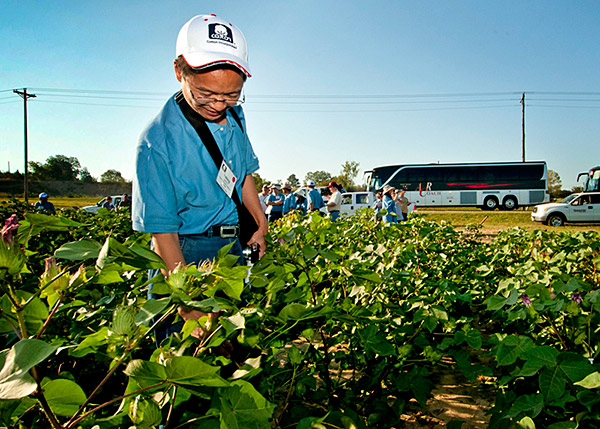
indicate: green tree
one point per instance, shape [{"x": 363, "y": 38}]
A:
[
  {"x": 85, "y": 176},
  {"x": 320, "y": 178},
  {"x": 259, "y": 181},
  {"x": 554, "y": 184},
  {"x": 112, "y": 176},
  {"x": 350, "y": 170},
  {"x": 57, "y": 167},
  {"x": 293, "y": 180}
]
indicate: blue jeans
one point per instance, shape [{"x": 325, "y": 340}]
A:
[
  {"x": 334, "y": 216},
  {"x": 195, "y": 248}
]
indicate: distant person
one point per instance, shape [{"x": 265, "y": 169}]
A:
[
  {"x": 289, "y": 204},
  {"x": 108, "y": 203},
  {"x": 301, "y": 201},
  {"x": 262, "y": 198},
  {"x": 275, "y": 201},
  {"x": 124, "y": 203},
  {"x": 378, "y": 204},
  {"x": 389, "y": 204},
  {"x": 43, "y": 205},
  {"x": 400, "y": 198},
  {"x": 334, "y": 204},
  {"x": 314, "y": 200}
]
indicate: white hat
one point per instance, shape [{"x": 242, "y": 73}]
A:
[
  {"x": 207, "y": 40},
  {"x": 310, "y": 182}
]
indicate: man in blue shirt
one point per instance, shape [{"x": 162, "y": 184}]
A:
[
  {"x": 275, "y": 202},
  {"x": 289, "y": 203},
  {"x": 43, "y": 205},
  {"x": 314, "y": 200},
  {"x": 179, "y": 195},
  {"x": 389, "y": 204}
]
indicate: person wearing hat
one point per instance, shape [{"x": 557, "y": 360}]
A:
[
  {"x": 275, "y": 203},
  {"x": 262, "y": 197},
  {"x": 335, "y": 201},
  {"x": 314, "y": 200},
  {"x": 300, "y": 201},
  {"x": 179, "y": 194},
  {"x": 289, "y": 204},
  {"x": 43, "y": 205},
  {"x": 389, "y": 204}
]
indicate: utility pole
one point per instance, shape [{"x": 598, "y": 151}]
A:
[
  {"x": 523, "y": 124},
  {"x": 25, "y": 96}
]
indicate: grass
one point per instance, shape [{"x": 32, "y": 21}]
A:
[{"x": 494, "y": 221}]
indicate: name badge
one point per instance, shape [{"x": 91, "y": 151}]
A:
[{"x": 226, "y": 179}]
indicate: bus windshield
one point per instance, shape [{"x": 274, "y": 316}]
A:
[{"x": 592, "y": 181}]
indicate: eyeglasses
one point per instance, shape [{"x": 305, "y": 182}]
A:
[{"x": 205, "y": 98}]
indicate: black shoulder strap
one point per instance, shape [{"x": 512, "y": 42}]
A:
[{"x": 206, "y": 136}]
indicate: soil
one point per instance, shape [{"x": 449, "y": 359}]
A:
[{"x": 453, "y": 398}]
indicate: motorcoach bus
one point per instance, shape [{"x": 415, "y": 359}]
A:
[
  {"x": 592, "y": 183},
  {"x": 487, "y": 185}
]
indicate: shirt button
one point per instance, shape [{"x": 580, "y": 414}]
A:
[
  {"x": 221, "y": 129},
  {"x": 231, "y": 161}
]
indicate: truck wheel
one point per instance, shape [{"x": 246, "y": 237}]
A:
[
  {"x": 556, "y": 220},
  {"x": 490, "y": 203},
  {"x": 510, "y": 203}
]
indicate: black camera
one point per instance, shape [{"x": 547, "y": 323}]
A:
[{"x": 251, "y": 254}]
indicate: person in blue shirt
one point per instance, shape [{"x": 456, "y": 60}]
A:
[
  {"x": 43, "y": 205},
  {"x": 389, "y": 204},
  {"x": 314, "y": 200},
  {"x": 108, "y": 203},
  {"x": 289, "y": 204},
  {"x": 275, "y": 203},
  {"x": 179, "y": 195},
  {"x": 300, "y": 201},
  {"x": 378, "y": 204}
]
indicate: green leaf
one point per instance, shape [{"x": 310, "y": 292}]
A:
[
  {"x": 526, "y": 405},
  {"x": 53, "y": 223},
  {"x": 64, "y": 397},
  {"x": 375, "y": 341},
  {"x": 145, "y": 373},
  {"x": 526, "y": 423},
  {"x": 592, "y": 381},
  {"x": 15, "y": 381},
  {"x": 511, "y": 348},
  {"x": 233, "y": 323},
  {"x": 474, "y": 339},
  {"x": 79, "y": 250},
  {"x": 243, "y": 407},
  {"x": 91, "y": 343},
  {"x": 552, "y": 383},
  {"x": 309, "y": 252},
  {"x": 189, "y": 371},
  {"x": 151, "y": 309}
]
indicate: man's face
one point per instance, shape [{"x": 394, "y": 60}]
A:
[
  {"x": 211, "y": 93},
  {"x": 265, "y": 190}
]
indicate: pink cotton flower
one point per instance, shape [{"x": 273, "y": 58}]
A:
[
  {"x": 526, "y": 300},
  {"x": 576, "y": 296},
  {"x": 10, "y": 229}
]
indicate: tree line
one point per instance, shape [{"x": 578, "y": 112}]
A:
[
  {"x": 65, "y": 169},
  {"x": 347, "y": 176}
]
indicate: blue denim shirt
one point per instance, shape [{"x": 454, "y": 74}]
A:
[{"x": 174, "y": 187}]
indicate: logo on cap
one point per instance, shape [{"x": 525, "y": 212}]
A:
[{"x": 220, "y": 32}]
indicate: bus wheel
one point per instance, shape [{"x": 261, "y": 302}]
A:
[
  {"x": 490, "y": 203},
  {"x": 510, "y": 203},
  {"x": 556, "y": 220}
]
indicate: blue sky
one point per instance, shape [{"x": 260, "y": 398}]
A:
[{"x": 378, "y": 82}]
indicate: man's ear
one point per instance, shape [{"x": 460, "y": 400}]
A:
[{"x": 178, "y": 73}]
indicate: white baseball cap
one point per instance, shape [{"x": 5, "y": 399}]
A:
[
  {"x": 207, "y": 40},
  {"x": 310, "y": 182}
]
